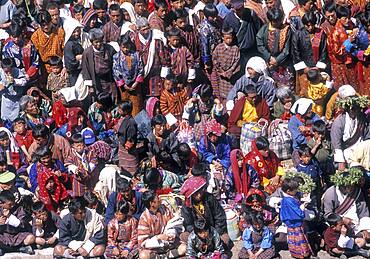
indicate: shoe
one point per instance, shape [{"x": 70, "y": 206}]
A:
[{"x": 26, "y": 250}]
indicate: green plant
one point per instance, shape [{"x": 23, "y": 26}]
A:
[
  {"x": 346, "y": 178},
  {"x": 308, "y": 185}
]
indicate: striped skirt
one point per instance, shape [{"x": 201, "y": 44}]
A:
[
  {"x": 297, "y": 243},
  {"x": 128, "y": 160}
]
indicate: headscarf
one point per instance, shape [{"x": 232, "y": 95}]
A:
[
  {"x": 73, "y": 114},
  {"x": 212, "y": 126},
  {"x": 150, "y": 105},
  {"x": 14, "y": 148},
  {"x": 301, "y": 106},
  {"x": 87, "y": 17},
  {"x": 241, "y": 183},
  {"x": 131, "y": 11},
  {"x": 69, "y": 25},
  {"x": 254, "y": 191},
  {"x": 346, "y": 91},
  {"x": 258, "y": 64},
  {"x": 191, "y": 186},
  {"x": 60, "y": 194}
]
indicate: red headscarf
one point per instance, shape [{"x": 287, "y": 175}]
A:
[
  {"x": 50, "y": 200},
  {"x": 191, "y": 186},
  {"x": 265, "y": 166},
  {"x": 73, "y": 115},
  {"x": 241, "y": 179},
  {"x": 257, "y": 192},
  {"x": 59, "y": 113}
]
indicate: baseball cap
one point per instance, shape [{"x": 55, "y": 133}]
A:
[{"x": 88, "y": 136}]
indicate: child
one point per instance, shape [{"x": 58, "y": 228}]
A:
[
  {"x": 122, "y": 233},
  {"x": 56, "y": 80},
  {"x": 14, "y": 235},
  {"x": 127, "y": 134},
  {"x": 78, "y": 12},
  {"x": 257, "y": 239},
  {"x": 128, "y": 72},
  {"x": 93, "y": 202},
  {"x": 318, "y": 87},
  {"x": 204, "y": 242},
  {"x": 11, "y": 75},
  {"x": 173, "y": 98},
  {"x": 292, "y": 215},
  {"x": 226, "y": 62},
  {"x": 23, "y": 136},
  {"x": 181, "y": 59},
  {"x": 99, "y": 112},
  {"x": 338, "y": 240},
  {"x": 321, "y": 148},
  {"x": 45, "y": 225}
]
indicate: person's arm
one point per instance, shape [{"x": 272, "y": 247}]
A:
[
  {"x": 225, "y": 159},
  {"x": 190, "y": 249},
  {"x": 133, "y": 239},
  {"x": 208, "y": 156},
  {"x": 65, "y": 235},
  {"x": 164, "y": 57},
  {"x": 186, "y": 213},
  {"x": 247, "y": 240},
  {"x": 261, "y": 45},
  {"x": 219, "y": 215},
  {"x": 190, "y": 65},
  {"x": 163, "y": 103},
  {"x": 235, "y": 68},
  {"x": 299, "y": 64},
  {"x": 286, "y": 51},
  {"x": 111, "y": 229},
  {"x": 297, "y": 135},
  {"x": 109, "y": 212},
  {"x": 336, "y": 135},
  {"x": 70, "y": 61},
  {"x": 324, "y": 56},
  {"x": 86, "y": 73},
  {"x": 205, "y": 47}
]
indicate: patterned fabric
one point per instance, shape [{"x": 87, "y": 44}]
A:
[
  {"x": 181, "y": 60},
  {"x": 56, "y": 82},
  {"x": 155, "y": 22},
  {"x": 297, "y": 243},
  {"x": 280, "y": 139},
  {"x": 121, "y": 235},
  {"x": 191, "y": 186},
  {"x": 111, "y": 32},
  {"x": 173, "y": 101},
  {"x": 191, "y": 41},
  {"x": 209, "y": 37}
]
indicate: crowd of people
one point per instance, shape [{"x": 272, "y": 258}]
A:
[{"x": 174, "y": 128}]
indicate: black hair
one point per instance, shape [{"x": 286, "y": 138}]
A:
[
  {"x": 333, "y": 219},
  {"x": 205, "y": 91},
  {"x": 148, "y": 197},
  {"x": 298, "y": 179},
  {"x": 262, "y": 143},
  {"x": 329, "y": 7},
  {"x": 179, "y": 13},
  {"x": 55, "y": 61},
  {"x": 275, "y": 15},
  {"x": 172, "y": 78},
  {"x": 91, "y": 198},
  {"x": 125, "y": 40},
  {"x": 257, "y": 218},
  {"x": 365, "y": 18},
  {"x": 210, "y": 10},
  {"x": 6, "y": 195},
  {"x": 100, "y": 4},
  {"x": 152, "y": 178},
  {"x": 76, "y": 204},
  {"x": 42, "y": 151},
  {"x": 4, "y": 135},
  {"x": 19, "y": 120},
  {"x": 160, "y": 3},
  {"x": 77, "y": 138},
  {"x": 303, "y": 2},
  {"x": 123, "y": 207},
  {"x": 126, "y": 107},
  {"x": 309, "y": 18},
  {"x": 343, "y": 11},
  {"x": 183, "y": 150},
  {"x": 123, "y": 185},
  {"x": 115, "y": 7},
  {"x": 15, "y": 30},
  {"x": 7, "y": 63},
  {"x": 304, "y": 150},
  {"x": 314, "y": 76},
  {"x": 78, "y": 9},
  {"x": 200, "y": 225},
  {"x": 319, "y": 126},
  {"x": 254, "y": 197},
  {"x": 43, "y": 18},
  {"x": 35, "y": 93},
  {"x": 227, "y": 31},
  {"x": 38, "y": 206},
  {"x": 3, "y": 160},
  {"x": 105, "y": 99},
  {"x": 52, "y": 5},
  {"x": 40, "y": 131},
  {"x": 174, "y": 32},
  {"x": 250, "y": 89},
  {"x": 289, "y": 184},
  {"x": 158, "y": 119},
  {"x": 133, "y": 2},
  {"x": 199, "y": 169}
]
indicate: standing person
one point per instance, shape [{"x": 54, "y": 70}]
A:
[
  {"x": 157, "y": 18},
  {"x": 97, "y": 63},
  {"x": 226, "y": 57},
  {"x": 112, "y": 29},
  {"x": 101, "y": 7},
  {"x": 127, "y": 134},
  {"x": 7, "y": 10},
  {"x": 128, "y": 72},
  {"x": 151, "y": 44}
]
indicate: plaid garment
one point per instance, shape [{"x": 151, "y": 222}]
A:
[
  {"x": 280, "y": 140},
  {"x": 297, "y": 243}
]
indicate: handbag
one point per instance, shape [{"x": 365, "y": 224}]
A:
[
  {"x": 250, "y": 131},
  {"x": 280, "y": 139}
]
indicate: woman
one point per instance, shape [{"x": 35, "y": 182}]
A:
[
  {"x": 266, "y": 163},
  {"x": 285, "y": 99},
  {"x": 30, "y": 111},
  {"x": 89, "y": 22},
  {"x": 77, "y": 121},
  {"x": 240, "y": 177},
  {"x": 42, "y": 101}
]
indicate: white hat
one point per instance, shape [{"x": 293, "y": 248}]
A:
[
  {"x": 301, "y": 106},
  {"x": 346, "y": 91},
  {"x": 364, "y": 224}
]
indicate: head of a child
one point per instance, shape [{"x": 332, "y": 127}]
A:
[
  {"x": 104, "y": 101},
  {"x": 125, "y": 108},
  {"x": 124, "y": 187},
  {"x": 161, "y": 8},
  {"x": 200, "y": 169},
  {"x": 41, "y": 134},
  {"x": 314, "y": 76},
  {"x": 125, "y": 44},
  {"x": 309, "y": 21},
  {"x": 91, "y": 199},
  {"x": 174, "y": 37},
  {"x": 100, "y": 7},
  {"x": 19, "y": 126},
  {"x": 210, "y": 12},
  {"x": 77, "y": 142},
  {"x": 16, "y": 32},
  {"x": 50, "y": 185},
  {"x": 177, "y": 4},
  {"x": 205, "y": 92},
  {"x": 76, "y": 34},
  {"x": 170, "y": 82},
  {"x": 3, "y": 164},
  {"x": 44, "y": 156},
  {"x": 56, "y": 64},
  {"x": 44, "y": 19},
  {"x": 96, "y": 37},
  {"x": 7, "y": 200},
  {"x": 158, "y": 124},
  {"x": 180, "y": 18},
  {"x": 153, "y": 179},
  {"x": 184, "y": 152},
  {"x": 257, "y": 221},
  {"x": 319, "y": 129},
  {"x": 4, "y": 140},
  {"x": 255, "y": 200},
  {"x": 335, "y": 221},
  {"x": 305, "y": 154},
  {"x": 228, "y": 36},
  {"x": 7, "y": 65},
  {"x": 150, "y": 200},
  {"x": 78, "y": 11},
  {"x": 290, "y": 186},
  {"x": 77, "y": 206},
  {"x": 122, "y": 210},
  {"x": 201, "y": 229},
  {"x": 344, "y": 15},
  {"x": 39, "y": 211},
  {"x": 276, "y": 17},
  {"x": 115, "y": 14}
]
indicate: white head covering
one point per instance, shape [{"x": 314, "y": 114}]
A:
[
  {"x": 69, "y": 25},
  {"x": 301, "y": 106},
  {"x": 13, "y": 144},
  {"x": 131, "y": 11},
  {"x": 69, "y": 93},
  {"x": 346, "y": 91},
  {"x": 258, "y": 64}
]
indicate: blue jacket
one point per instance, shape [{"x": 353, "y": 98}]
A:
[
  {"x": 220, "y": 151},
  {"x": 297, "y": 136},
  {"x": 290, "y": 212},
  {"x": 312, "y": 169},
  {"x": 248, "y": 240}
]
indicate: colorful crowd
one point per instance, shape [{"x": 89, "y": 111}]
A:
[{"x": 185, "y": 128}]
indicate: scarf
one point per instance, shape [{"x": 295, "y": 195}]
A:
[
  {"x": 348, "y": 202},
  {"x": 50, "y": 200},
  {"x": 241, "y": 183},
  {"x": 150, "y": 105},
  {"x": 191, "y": 186},
  {"x": 73, "y": 114},
  {"x": 13, "y": 155},
  {"x": 131, "y": 11}
]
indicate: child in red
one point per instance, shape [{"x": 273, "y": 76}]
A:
[{"x": 23, "y": 136}]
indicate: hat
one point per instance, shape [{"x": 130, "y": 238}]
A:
[
  {"x": 6, "y": 177},
  {"x": 88, "y": 136},
  {"x": 364, "y": 224},
  {"x": 191, "y": 186},
  {"x": 301, "y": 106},
  {"x": 213, "y": 127},
  {"x": 346, "y": 91}
]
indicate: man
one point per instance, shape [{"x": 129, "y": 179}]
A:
[
  {"x": 112, "y": 29},
  {"x": 330, "y": 18},
  {"x": 141, "y": 8},
  {"x": 100, "y": 7},
  {"x": 59, "y": 146},
  {"x": 151, "y": 228},
  {"x": 53, "y": 9},
  {"x": 81, "y": 232},
  {"x": 157, "y": 18},
  {"x": 152, "y": 47}
]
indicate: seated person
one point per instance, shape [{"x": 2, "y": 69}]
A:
[
  {"x": 250, "y": 107},
  {"x": 99, "y": 113},
  {"x": 204, "y": 241},
  {"x": 45, "y": 225},
  {"x": 150, "y": 230},
  {"x": 41, "y": 100},
  {"x": 285, "y": 99},
  {"x": 23, "y": 136},
  {"x": 74, "y": 237},
  {"x": 14, "y": 234}
]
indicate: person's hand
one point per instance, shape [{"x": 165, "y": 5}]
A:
[
  {"x": 132, "y": 27},
  {"x": 58, "y": 173},
  {"x": 194, "y": 99},
  {"x": 91, "y": 90},
  {"x": 252, "y": 256},
  {"x": 355, "y": 32},
  {"x": 38, "y": 223},
  {"x": 6, "y": 212},
  {"x": 318, "y": 141},
  {"x": 208, "y": 68},
  {"x": 366, "y": 234},
  {"x": 190, "y": 81},
  {"x": 343, "y": 230},
  {"x": 82, "y": 252},
  {"x": 3, "y": 219},
  {"x": 272, "y": 62},
  {"x": 51, "y": 240},
  {"x": 115, "y": 251},
  {"x": 78, "y": 57},
  {"x": 126, "y": 87},
  {"x": 342, "y": 166},
  {"x": 72, "y": 252},
  {"x": 274, "y": 181},
  {"x": 303, "y": 128},
  {"x": 217, "y": 101},
  {"x": 2, "y": 86},
  {"x": 287, "y": 106},
  {"x": 64, "y": 73},
  {"x": 134, "y": 86},
  {"x": 163, "y": 237},
  {"x": 124, "y": 253}
]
